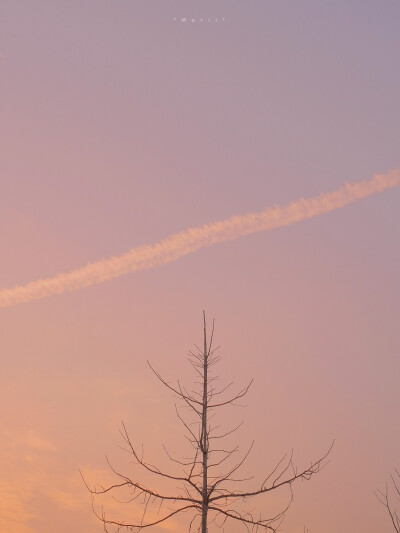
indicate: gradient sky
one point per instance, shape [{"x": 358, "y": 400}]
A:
[{"x": 120, "y": 126}]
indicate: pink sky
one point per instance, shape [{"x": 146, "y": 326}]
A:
[{"x": 120, "y": 127}]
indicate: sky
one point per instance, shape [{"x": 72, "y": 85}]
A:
[{"x": 122, "y": 125}]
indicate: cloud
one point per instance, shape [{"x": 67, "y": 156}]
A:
[
  {"x": 15, "y": 515},
  {"x": 33, "y": 440},
  {"x": 190, "y": 240},
  {"x": 36, "y": 487}
]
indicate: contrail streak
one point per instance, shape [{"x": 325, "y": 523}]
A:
[{"x": 188, "y": 241}]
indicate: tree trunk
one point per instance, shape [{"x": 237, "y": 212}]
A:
[{"x": 204, "y": 439}]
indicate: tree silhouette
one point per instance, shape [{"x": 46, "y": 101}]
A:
[
  {"x": 387, "y": 498},
  {"x": 207, "y": 484}
]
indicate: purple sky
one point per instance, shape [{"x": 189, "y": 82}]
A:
[{"x": 120, "y": 126}]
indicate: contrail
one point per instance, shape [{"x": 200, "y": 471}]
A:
[{"x": 188, "y": 241}]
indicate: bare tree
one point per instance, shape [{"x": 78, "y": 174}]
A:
[
  {"x": 204, "y": 486},
  {"x": 389, "y": 496}
]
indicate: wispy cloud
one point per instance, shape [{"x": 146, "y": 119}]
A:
[
  {"x": 36, "y": 442},
  {"x": 190, "y": 240},
  {"x": 15, "y": 514},
  {"x": 24, "y": 466}
]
